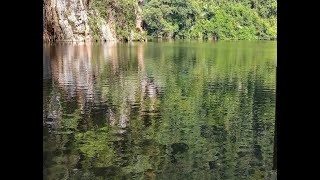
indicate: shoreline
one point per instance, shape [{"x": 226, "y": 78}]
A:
[{"x": 153, "y": 40}]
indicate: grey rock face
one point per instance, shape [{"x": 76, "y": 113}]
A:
[
  {"x": 67, "y": 20},
  {"x": 106, "y": 32},
  {"x": 74, "y": 20}
]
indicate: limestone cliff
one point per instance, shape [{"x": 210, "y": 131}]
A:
[{"x": 76, "y": 20}]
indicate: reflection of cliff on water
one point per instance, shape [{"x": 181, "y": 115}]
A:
[
  {"x": 90, "y": 77},
  {"x": 94, "y": 85}
]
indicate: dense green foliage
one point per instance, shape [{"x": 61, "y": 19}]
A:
[
  {"x": 188, "y": 19},
  {"x": 222, "y": 19},
  {"x": 122, "y": 13},
  {"x": 212, "y": 116}
]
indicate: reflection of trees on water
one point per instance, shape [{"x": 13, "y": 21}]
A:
[{"x": 161, "y": 113}]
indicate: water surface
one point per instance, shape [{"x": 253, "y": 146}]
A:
[{"x": 159, "y": 110}]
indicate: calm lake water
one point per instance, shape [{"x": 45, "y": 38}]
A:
[{"x": 159, "y": 110}]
